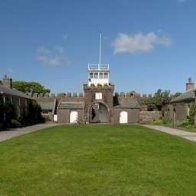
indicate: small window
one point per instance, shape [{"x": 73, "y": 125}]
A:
[
  {"x": 96, "y": 75},
  {"x": 98, "y": 96},
  {"x": 101, "y": 75},
  {"x": 91, "y": 75},
  {"x": 105, "y": 75}
]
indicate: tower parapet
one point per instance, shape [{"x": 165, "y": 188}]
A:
[{"x": 98, "y": 74}]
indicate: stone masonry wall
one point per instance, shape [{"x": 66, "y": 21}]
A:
[
  {"x": 149, "y": 116},
  {"x": 107, "y": 99}
]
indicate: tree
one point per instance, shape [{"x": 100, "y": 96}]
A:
[
  {"x": 149, "y": 102},
  {"x": 158, "y": 100},
  {"x": 161, "y": 98},
  {"x": 175, "y": 95},
  {"x": 30, "y": 87},
  {"x": 2, "y": 109},
  {"x": 191, "y": 117},
  {"x": 34, "y": 114}
]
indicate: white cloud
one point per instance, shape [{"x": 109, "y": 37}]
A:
[
  {"x": 139, "y": 42},
  {"x": 52, "y": 57},
  {"x": 43, "y": 50},
  {"x": 53, "y": 61}
]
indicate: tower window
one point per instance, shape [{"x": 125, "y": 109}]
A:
[
  {"x": 106, "y": 75},
  {"x": 98, "y": 96},
  {"x": 96, "y": 75},
  {"x": 91, "y": 75},
  {"x": 101, "y": 75}
]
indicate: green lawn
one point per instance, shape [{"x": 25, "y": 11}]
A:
[{"x": 97, "y": 160}]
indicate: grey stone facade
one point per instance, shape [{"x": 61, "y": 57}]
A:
[
  {"x": 98, "y": 104},
  {"x": 108, "y": 109},
  {"x": 20, "y": 100},
  {"x": 94, "y": 108},
  {"x": 149, "y": 116},
  {"x": 65, "y": 109},
  {"x": 178, "y": 110}
]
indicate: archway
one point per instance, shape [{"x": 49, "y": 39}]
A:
[
  {"x": 73, "y": 117},
  {"x": 123, "y": 117},
  {"x": 103, "y": 113},
  {"x": 99, "y": 113}
]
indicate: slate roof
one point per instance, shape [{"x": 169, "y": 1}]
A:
[
  {"x": 185, "y": 97},
  {"x": 71, "y": 105},
  {"x": 46, "y": 105},
  {"x": 129, "y": 104},
  {"x": 13, "y": 92}
]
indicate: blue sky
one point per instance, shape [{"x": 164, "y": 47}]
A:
[{"x": 148, "y": 44}]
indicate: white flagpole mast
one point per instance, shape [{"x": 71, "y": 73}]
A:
[{"x": 100, "y": 50}]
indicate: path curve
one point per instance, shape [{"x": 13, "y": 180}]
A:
[
  {"x": 5, "y": 135},
  {"x": 183, "y": 134}
]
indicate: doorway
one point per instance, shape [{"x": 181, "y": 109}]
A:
[
  {"x": 73, "y": 117},
  {"x": 99, "y": 113},
  {"x": 123, "y": 117}
]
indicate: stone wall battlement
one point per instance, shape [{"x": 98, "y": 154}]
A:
[
  {"x": 75, "y": 95},
  {"x": 59, "y": 95},
  {"x": 127, "y": 95}
]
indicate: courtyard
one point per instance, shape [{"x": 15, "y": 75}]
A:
[{"x": 97, "y": 160}]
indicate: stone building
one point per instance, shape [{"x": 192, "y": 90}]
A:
[
  {"x": 48, "y": 104},
  {"x": 19, "y": 100},
  {"x": 180, "y": 106},
  {"x": 97, "y": 104}
]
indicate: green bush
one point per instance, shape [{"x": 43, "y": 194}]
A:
[
  {"x": 166, "y": 121},
  {"x": 191, "y": 116},
  {"x": 1, "y": 126},
  {"x": 15, "y": 123},
  {"x": 184, "y": 123},
  {"x": 157, "y": 122},
  {"x": 34, "y": 114}
]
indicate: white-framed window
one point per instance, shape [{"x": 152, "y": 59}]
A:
[
  {"x": 96, "y": 75},
  {"x": 101, "y": 75},
  {"x": 105, "y": 75},
  {"x": 98, "y": 96},
  {"x": 91, "y": 75}
]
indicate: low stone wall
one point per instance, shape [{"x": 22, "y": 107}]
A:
[{"x": 149, "y": 116}]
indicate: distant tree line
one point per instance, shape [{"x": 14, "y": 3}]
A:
[
  {"x": 158, "y": 100},
  {"x": 30, "y": 87}
]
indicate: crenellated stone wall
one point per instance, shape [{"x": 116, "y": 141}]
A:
[
  {"x": 90, "y": 99},
  {"x": 149, "y": 116},
  {"x": 109, "y": 99},
  {"x": 67, "y": 95}
]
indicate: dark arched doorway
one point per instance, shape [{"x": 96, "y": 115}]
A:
[{"x": 99, "y": 113}]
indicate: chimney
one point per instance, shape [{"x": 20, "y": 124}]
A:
[
  {"x": 7, "y": 82},
  {"x": 189, "y": 85}
]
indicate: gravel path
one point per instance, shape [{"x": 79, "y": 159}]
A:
[
  {"x": 184, "y": 134},
  {"x": 5, "y": 135}
]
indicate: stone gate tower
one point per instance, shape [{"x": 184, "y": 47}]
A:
[{"x": 98, "y": 93}]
